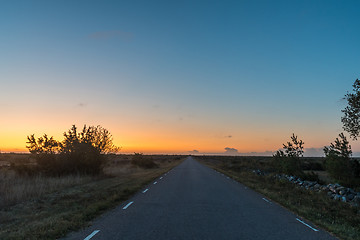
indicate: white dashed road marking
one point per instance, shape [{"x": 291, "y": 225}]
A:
[
  {"x": 314, "y": 229},
  {"x": 155, "y": 183},
  {"x": 266, "y": 200},
  {"x": 92, "y": 234},
  {"x": 127, "y": 205},
  {"x": 145, "y": 190}
]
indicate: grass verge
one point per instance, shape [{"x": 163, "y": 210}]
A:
[
  {"x": 53, "y": 215},
  {"x": 336, "y": 217}
]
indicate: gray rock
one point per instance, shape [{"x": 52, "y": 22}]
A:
[
  {"x": 342, "y": 191},
  {"x": 332, "y": 188},
  {"x": 334, "y": 191},
  {"x": 337, "y": 197},
  {"x": 311, "y": 184},
  {"x": 350, "y": 196}
]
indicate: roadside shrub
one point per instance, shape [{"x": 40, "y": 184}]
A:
[
  {"x": 288, "y": 161},
  {"x": 79, "y": 152},
  {"x": 84, "y": 158},
  {"x": 139, "y": 160},
  {"x": 338, "y": 161}
]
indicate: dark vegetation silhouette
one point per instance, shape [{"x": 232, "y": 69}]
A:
[
  {"x": 351, "y": 118},
  {"x": 78, "y": 153},
  {"x": 338, "y": 161},
  {"x": 288, "y": 161},
  {"x": 139, "y": 160},
  {"x": 339, "y": 164}
]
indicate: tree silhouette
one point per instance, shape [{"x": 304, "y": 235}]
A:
[
  {"x": 338, "y": 161},
  {"x": 351, "y": 118},
  {"x": 288, "y": 161},
  {"x": 79, "y": 152}
]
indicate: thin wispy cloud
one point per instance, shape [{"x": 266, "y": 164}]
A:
[
  {"x": 223, "y": 136},
  {"x": 115, "y": 34},
  {"x": 82, "y": 104}
]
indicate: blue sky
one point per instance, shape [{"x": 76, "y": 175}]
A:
[{"x": 186, "y": 73}]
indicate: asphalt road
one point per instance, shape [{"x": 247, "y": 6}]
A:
[{"x": 193, "y": 201}]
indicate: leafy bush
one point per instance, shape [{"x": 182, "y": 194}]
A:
[
  {"x": 84, "y": 158},
  {"x": 351, "y": 118},
  {"x": 288, "y": 161},
  {"x": 141, "y": 161},
  {"x": 79, "y": 152},
  {"x": 338, "y": 161}
]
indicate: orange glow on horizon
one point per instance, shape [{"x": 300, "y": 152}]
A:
[{"x": 165, "y": 137}]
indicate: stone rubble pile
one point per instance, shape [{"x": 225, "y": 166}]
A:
[{"x": 334, "y": 191}]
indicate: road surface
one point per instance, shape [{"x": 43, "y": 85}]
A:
[{"x": 193, "y": 201}]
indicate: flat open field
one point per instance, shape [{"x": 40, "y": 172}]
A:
[{"x": 48, "y": 207}]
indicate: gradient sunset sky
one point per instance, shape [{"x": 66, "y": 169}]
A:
[{"x": 178, "y": 76}]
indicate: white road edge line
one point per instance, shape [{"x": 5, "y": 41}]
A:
[
  {"x": 314, "y": 229},
  {"x": 155, "y": 182},
  {"x": 127, "y": 205},
  {"x": 145, "y": 190},
  {"x": 266, "y": 200},
  {"x": 161, "y": 178},
  {"x": 92, "y": 234}
]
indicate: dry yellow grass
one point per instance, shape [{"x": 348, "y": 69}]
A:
[
  {"x": 48, "y": 208},
  {"x": 15, "y": 189}
]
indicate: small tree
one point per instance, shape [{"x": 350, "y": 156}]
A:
[
  {"x": 44, "y": 149},
  {"x": 338, "y": 161},
  {"x": 98, "y": 137},
  {"x": 288, "y": 161},
  {"x": 79, "y": 152},
  {"x": 43, "y": 144},
  {"x": 351, "y": 118}
]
